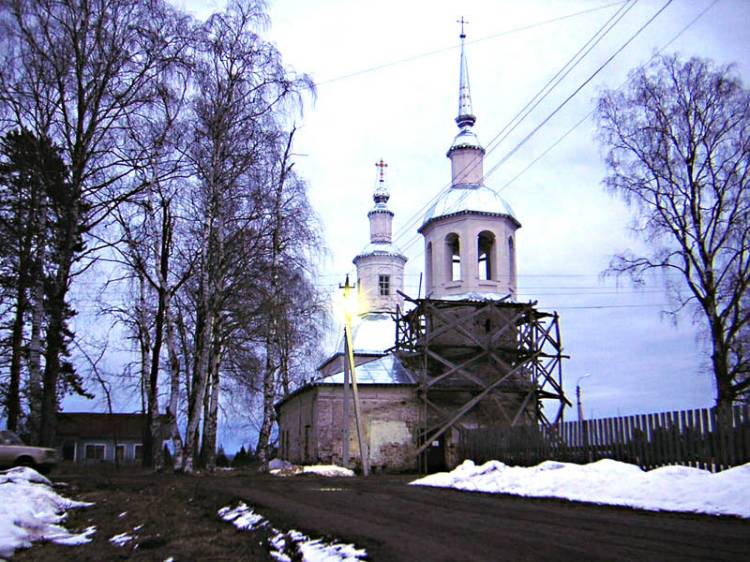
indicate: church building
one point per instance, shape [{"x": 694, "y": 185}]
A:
[{"x": 407, "y": 391}]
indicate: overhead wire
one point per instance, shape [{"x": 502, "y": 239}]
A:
[
  {"x": 516, "y": 120},
  {"x": 588, "y": 115},
  {"x": 478, "y": 40}
]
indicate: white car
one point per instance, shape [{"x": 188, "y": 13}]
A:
[{"x": 13, "y": 452}]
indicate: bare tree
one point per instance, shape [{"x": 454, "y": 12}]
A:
[
  {"x": 678, "y": 149},
  {"x": 240, "y": 85},
  {"x": 80, "y": 72}
]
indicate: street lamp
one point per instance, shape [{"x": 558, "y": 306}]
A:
[{"x": 351, "y": 307}]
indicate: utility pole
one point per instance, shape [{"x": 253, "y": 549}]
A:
[
  {"x": 347, "y": 390},
  {"x": 364, "y": 453}
]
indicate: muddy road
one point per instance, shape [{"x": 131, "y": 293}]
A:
[{"x": 382, "y": 514}]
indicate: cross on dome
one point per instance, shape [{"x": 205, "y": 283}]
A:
[{"x": 381, "y": 194}]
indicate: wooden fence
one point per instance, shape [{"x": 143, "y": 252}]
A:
[{"x": 689, "y": 437}]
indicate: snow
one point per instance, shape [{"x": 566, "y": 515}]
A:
[
  {"x": 30, "y": 510},
  {"x": 124, "y": 538},
  {"x": 672, "y": 488},
  {"x": 386, "y": 370},
  {"x": 242, "y": 517},
  {"x": 291, "y": 542},
  {"x": 279, "y": 467}
]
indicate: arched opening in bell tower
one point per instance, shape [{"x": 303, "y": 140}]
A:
[
  {"x": 511, "y": 260},
  {"x": 454, "y": 256},
  {"x": 485, "y": 248}
]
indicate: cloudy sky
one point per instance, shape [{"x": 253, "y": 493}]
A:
[{"x": 387, "y": 80}]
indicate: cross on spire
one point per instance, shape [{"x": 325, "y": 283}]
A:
[
  {"x": 463, "y": 22},
  {"x": 382, "y": 165}
]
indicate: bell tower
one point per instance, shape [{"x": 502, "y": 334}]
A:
[
  {"x": 470, "y": 231},
  {"x": 380, "y": 264}
]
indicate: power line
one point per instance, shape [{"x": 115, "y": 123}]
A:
[
  {"x": 577, "y": 90},
  {"x": 590, "y": 113},
  {"x": 551, "y": 84},
  {"x": 453, "y": 47}
]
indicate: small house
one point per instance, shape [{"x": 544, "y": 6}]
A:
[{"x": 87, "y": 438}]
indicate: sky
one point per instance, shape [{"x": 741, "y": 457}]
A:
[
  {"x": 387, "y": 87},
  {"x": 638, "y": 359}
]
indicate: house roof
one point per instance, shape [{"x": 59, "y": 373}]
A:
[
  {"x": 386, "y": 371},
  {"x": 372, "y": 333},
  {"x": 91, "y": 426}
]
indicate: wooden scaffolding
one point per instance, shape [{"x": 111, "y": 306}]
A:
[{"x": 482, "y": 363}]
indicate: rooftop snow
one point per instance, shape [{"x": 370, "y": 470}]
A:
[
  {"x": 386, "y": 370},
  {"x": 373, "y": 333},
  {"x": 469, "y": 198}
]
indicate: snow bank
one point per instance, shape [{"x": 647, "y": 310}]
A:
[
  {"x": 31, "y": 511},
  {"x": 291, "y": 545},
  {"x": 674, "y": 488},
  {"x": 279, "y": 467}
]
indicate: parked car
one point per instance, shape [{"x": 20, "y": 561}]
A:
[{"x": 13, "y": 452}]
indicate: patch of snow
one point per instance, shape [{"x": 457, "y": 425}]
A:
[
  {"x": 284, "y": 468},
  {"x": 242, "y": 517},
  {"x": 284, "y": 546},
  {"x": 122, "y": 539},
  {"x": 327, "y": 470},
  {"x": 60, "y": 535},
  {"x": 30, "y": 510},
  {"x": 673, "y": 488}
]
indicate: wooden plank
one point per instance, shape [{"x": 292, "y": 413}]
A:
[
  {"x": 647, "y": 453},
  {"x": 679, "y": 453},
  {"x": 599, "y": 439},
  {"x": 607, "y": 432},
  {"x": 653, "y": 426},
  {"x": 688, "y": 424},
  {"x": 708, "y": 439},
  {"x": 666, "y": 441},
  {"x": 745, "y": 432},
  {"x": 632, "y": 443}
]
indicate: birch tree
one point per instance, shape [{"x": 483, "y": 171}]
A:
[
  {"x": 677, "y": 137},
  {"x": 240, "y": 84},
  {"x": 80, "y": 72}
]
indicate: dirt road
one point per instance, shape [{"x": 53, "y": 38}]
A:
[{"x": 391, "y": 520}]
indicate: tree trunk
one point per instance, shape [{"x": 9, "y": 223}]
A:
[
  {"x": 13, "y": 400},
  {"x": 264, "y": 436},
  {"x": 35, "y": 352},
  {"x": 174, "y": 389},
  {"x": 203, "y": 337},
  {"x": 210, "y": 424}
]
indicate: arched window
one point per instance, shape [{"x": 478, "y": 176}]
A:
[
  {"x": 428, "y": 267},
  {"x": 454, "y": 256},
  {"x": 511, "y": 260},
  {"x": 485, "y": 246}
]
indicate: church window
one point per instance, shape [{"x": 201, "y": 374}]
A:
[
  {"x": 511, "y": 260},
  {"x": 454, "y": 256},
  {"x": 485, "y": 244},
  {"x": 384, "y": 283},
  {"x": 428, "y": 265}
]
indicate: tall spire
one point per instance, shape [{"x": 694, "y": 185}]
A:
[
  {"x": 465, "y": 152},
  {"x": 465, "y": 114}
]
